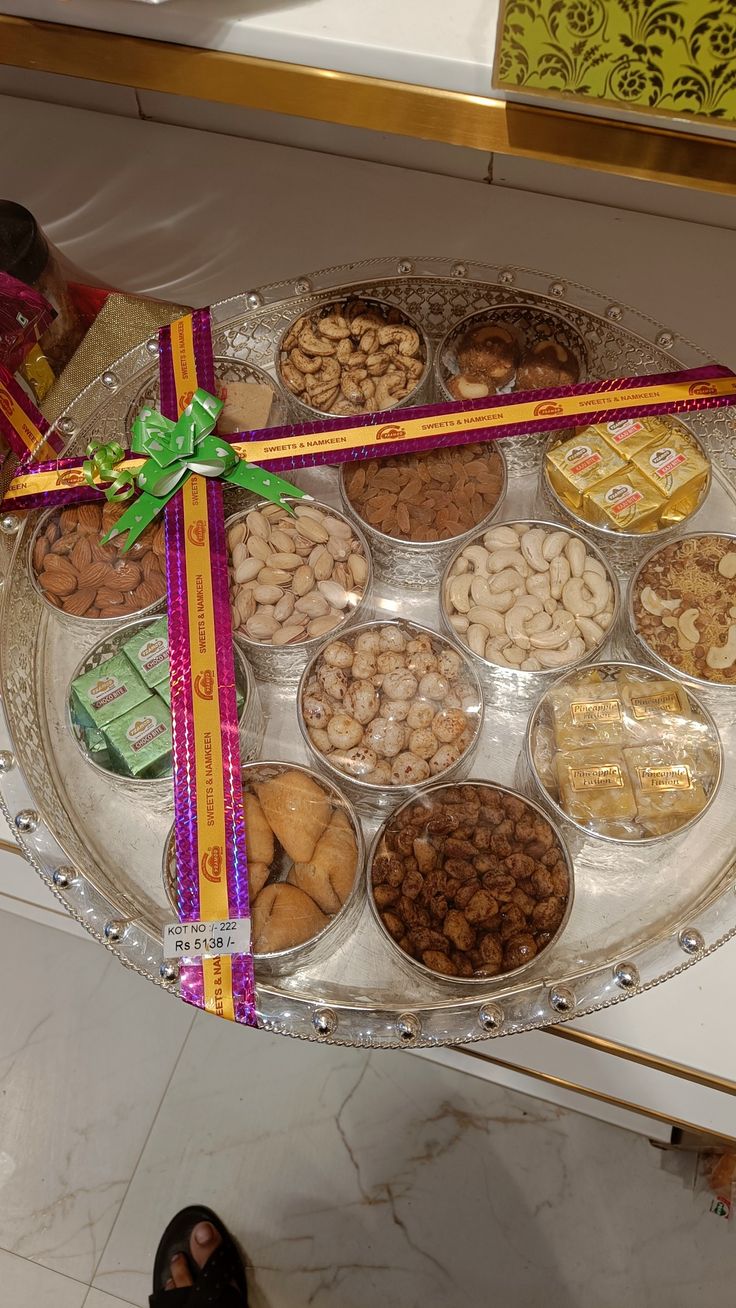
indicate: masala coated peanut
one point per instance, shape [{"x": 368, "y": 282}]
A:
[{"x": 470, "y": 880}]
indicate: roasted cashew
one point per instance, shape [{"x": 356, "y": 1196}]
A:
[
  {"x": 350, "y": 388},
  {"x": 405, "y": 337},
  {"x": 686, "y": 624},
  {"x": 293, "y": 377},
  {"x": 345, "y": 351},
  {"x": 334, "y": 327},
  {"x": 651, "y": 601},
  {"x": 376, "y": 364},
  {"x": 723, "y": 656},
  {"x": 682, "y": 641},
  {"x": 385, "y": 388},
  {"x": 531, "y": 547},
  {"x": 311, "y": 344},
  {"x": 330, "y": 371},
  {"x": 304, "y": 362}
]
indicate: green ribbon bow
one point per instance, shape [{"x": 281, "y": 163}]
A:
[{"x": 175, "y": 450}]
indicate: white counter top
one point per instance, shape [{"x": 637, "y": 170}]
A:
[{"x": 426, "y": 42}]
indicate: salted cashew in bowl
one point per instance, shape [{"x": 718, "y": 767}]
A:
[
  {"x": 686, "y": 624},
  {"x": 654, "y": 604},
  {"x": 531, "y": 544},
  {"x": 723, "y": 656},
  {"x": 557, "y": 658}
]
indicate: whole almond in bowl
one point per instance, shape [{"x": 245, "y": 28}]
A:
[{"x": 85, "y": 581}]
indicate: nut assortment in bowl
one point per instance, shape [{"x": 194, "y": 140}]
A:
[
  {"x": 623, "y": 752},
  {"x": 509, "y": 347},
  {"x": 390, "y": 705},
  {"x": 90, "y": 582},
  {"x": 305, "y": 863},
  {"x": 296, "y": 575},
  {"x": 682, "y": 604},
  {"x": 414, "y": 508},
  {"x": 354, "y": 356},
  {"x": 630, "y": 478},
  {"x": 529, "y": 596},
  {"x": 119, "y": 705},
  {"x": 470, "y": 881}
]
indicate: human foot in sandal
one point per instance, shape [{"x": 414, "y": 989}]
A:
[{"x": 198, "y": 1263}]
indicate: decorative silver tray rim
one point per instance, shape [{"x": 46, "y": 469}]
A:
[{"x": 713, "y": 920}]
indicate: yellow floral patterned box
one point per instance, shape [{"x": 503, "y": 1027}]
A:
[{"x": 673, "y": 57}]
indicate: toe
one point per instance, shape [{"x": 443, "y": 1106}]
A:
[
  {"x": 204, "y": 1240},
  {"x": 180, "y": 1272}
]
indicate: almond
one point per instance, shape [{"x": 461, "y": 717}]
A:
[
  {"x": 124, "y": 576},
  {"x": 116, "y": 612},
  {"x": 64, "y": 545},
  {"x": 145, "y": 595},
  {"x": 106, "y": 598},
  {"x": 89, "y": 517},
  {"x": 95, "y": 574},
  {"x": 159, "y": 543},
  {"x": 81, "y": 555},
  {"x": 79, "y": 603},
  {"x": 68, "y": 519},
  {"x": 52, "y": 532},
  {"x": 40, "y": 550},
  {"x": 151, "y": 568},
  {"x": 58, "y": 583},
  {"x": 58, "y": 563}
]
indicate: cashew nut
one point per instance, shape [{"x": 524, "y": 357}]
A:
[
  {"x": 554, "y": 545},
  {"x": 576, "y": 555},
  {"x": 477, "y": 636},
  {"x": 531, "y": 547},
  {"x": 559, "y": 573},
  {"x": 682, "y": 641},
  {"x": 574, "y": 598},
  {"x": 556, "y": 658},
  {"x": 651, "y": 601},
  {"x": 727, "y": 565},
  {"x": 723, "y": 656},
  {"x": 561, "y": 631},
  {"x": 493, "y": 619},
  {"x": 497, "y": 538},
  {"x": 311, "y": 344},
  {"x": 477, "y": 556},
  {"x": 459, "y": 590},
  {"x": 515, "y": 621},
  {"x": 539, "y": 584},
  {"x": 591, "y": 633},
  {"x": 686, "y": 624},
  {"x": 508, "y": 558},
  {"x": 538, "y": 622},
  {"x": 480, "y": 590},
  {"x": 531, "y": 665},
  {"x": 406, "y": 338},
  {"x": 507, "y": 579}
]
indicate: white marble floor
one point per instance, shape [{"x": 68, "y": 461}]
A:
[{"x": 350, "y": 1177}]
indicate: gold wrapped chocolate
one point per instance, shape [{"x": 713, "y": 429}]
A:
[
  {"x": 631, "y": 435},
  {"x": 677, "y": 471},
  {"x": 576, "y": 465},
  {"x": 626, "y": 502},
  {"x": 595, "y": 788},
  {"x": 666, "y": 789},
  {"x": 653, "y": 707},
  {"x": 586, "y": 714}
]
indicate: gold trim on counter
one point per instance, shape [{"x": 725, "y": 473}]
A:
[
  {"x": 478, "y": 122},
  {"x": 599, "y": 1095},
  {"x": 653, "y": 1061}
]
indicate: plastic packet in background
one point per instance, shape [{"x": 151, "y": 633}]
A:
[{"x": 25, "y": 315}]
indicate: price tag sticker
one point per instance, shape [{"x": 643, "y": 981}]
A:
[{"x": 207, "y": 939}]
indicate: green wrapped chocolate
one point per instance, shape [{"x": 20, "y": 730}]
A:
[
  {"x": 140, "y": 742},
  {"x": 148, "y": 651},
  {"x": 107, "y": 692},
  {"x": 164, "y": 690}
]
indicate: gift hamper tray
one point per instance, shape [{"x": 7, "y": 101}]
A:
[{"x": 597, "y": 860}]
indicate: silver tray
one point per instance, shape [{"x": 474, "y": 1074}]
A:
[{"x": 637, "y": 919}]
